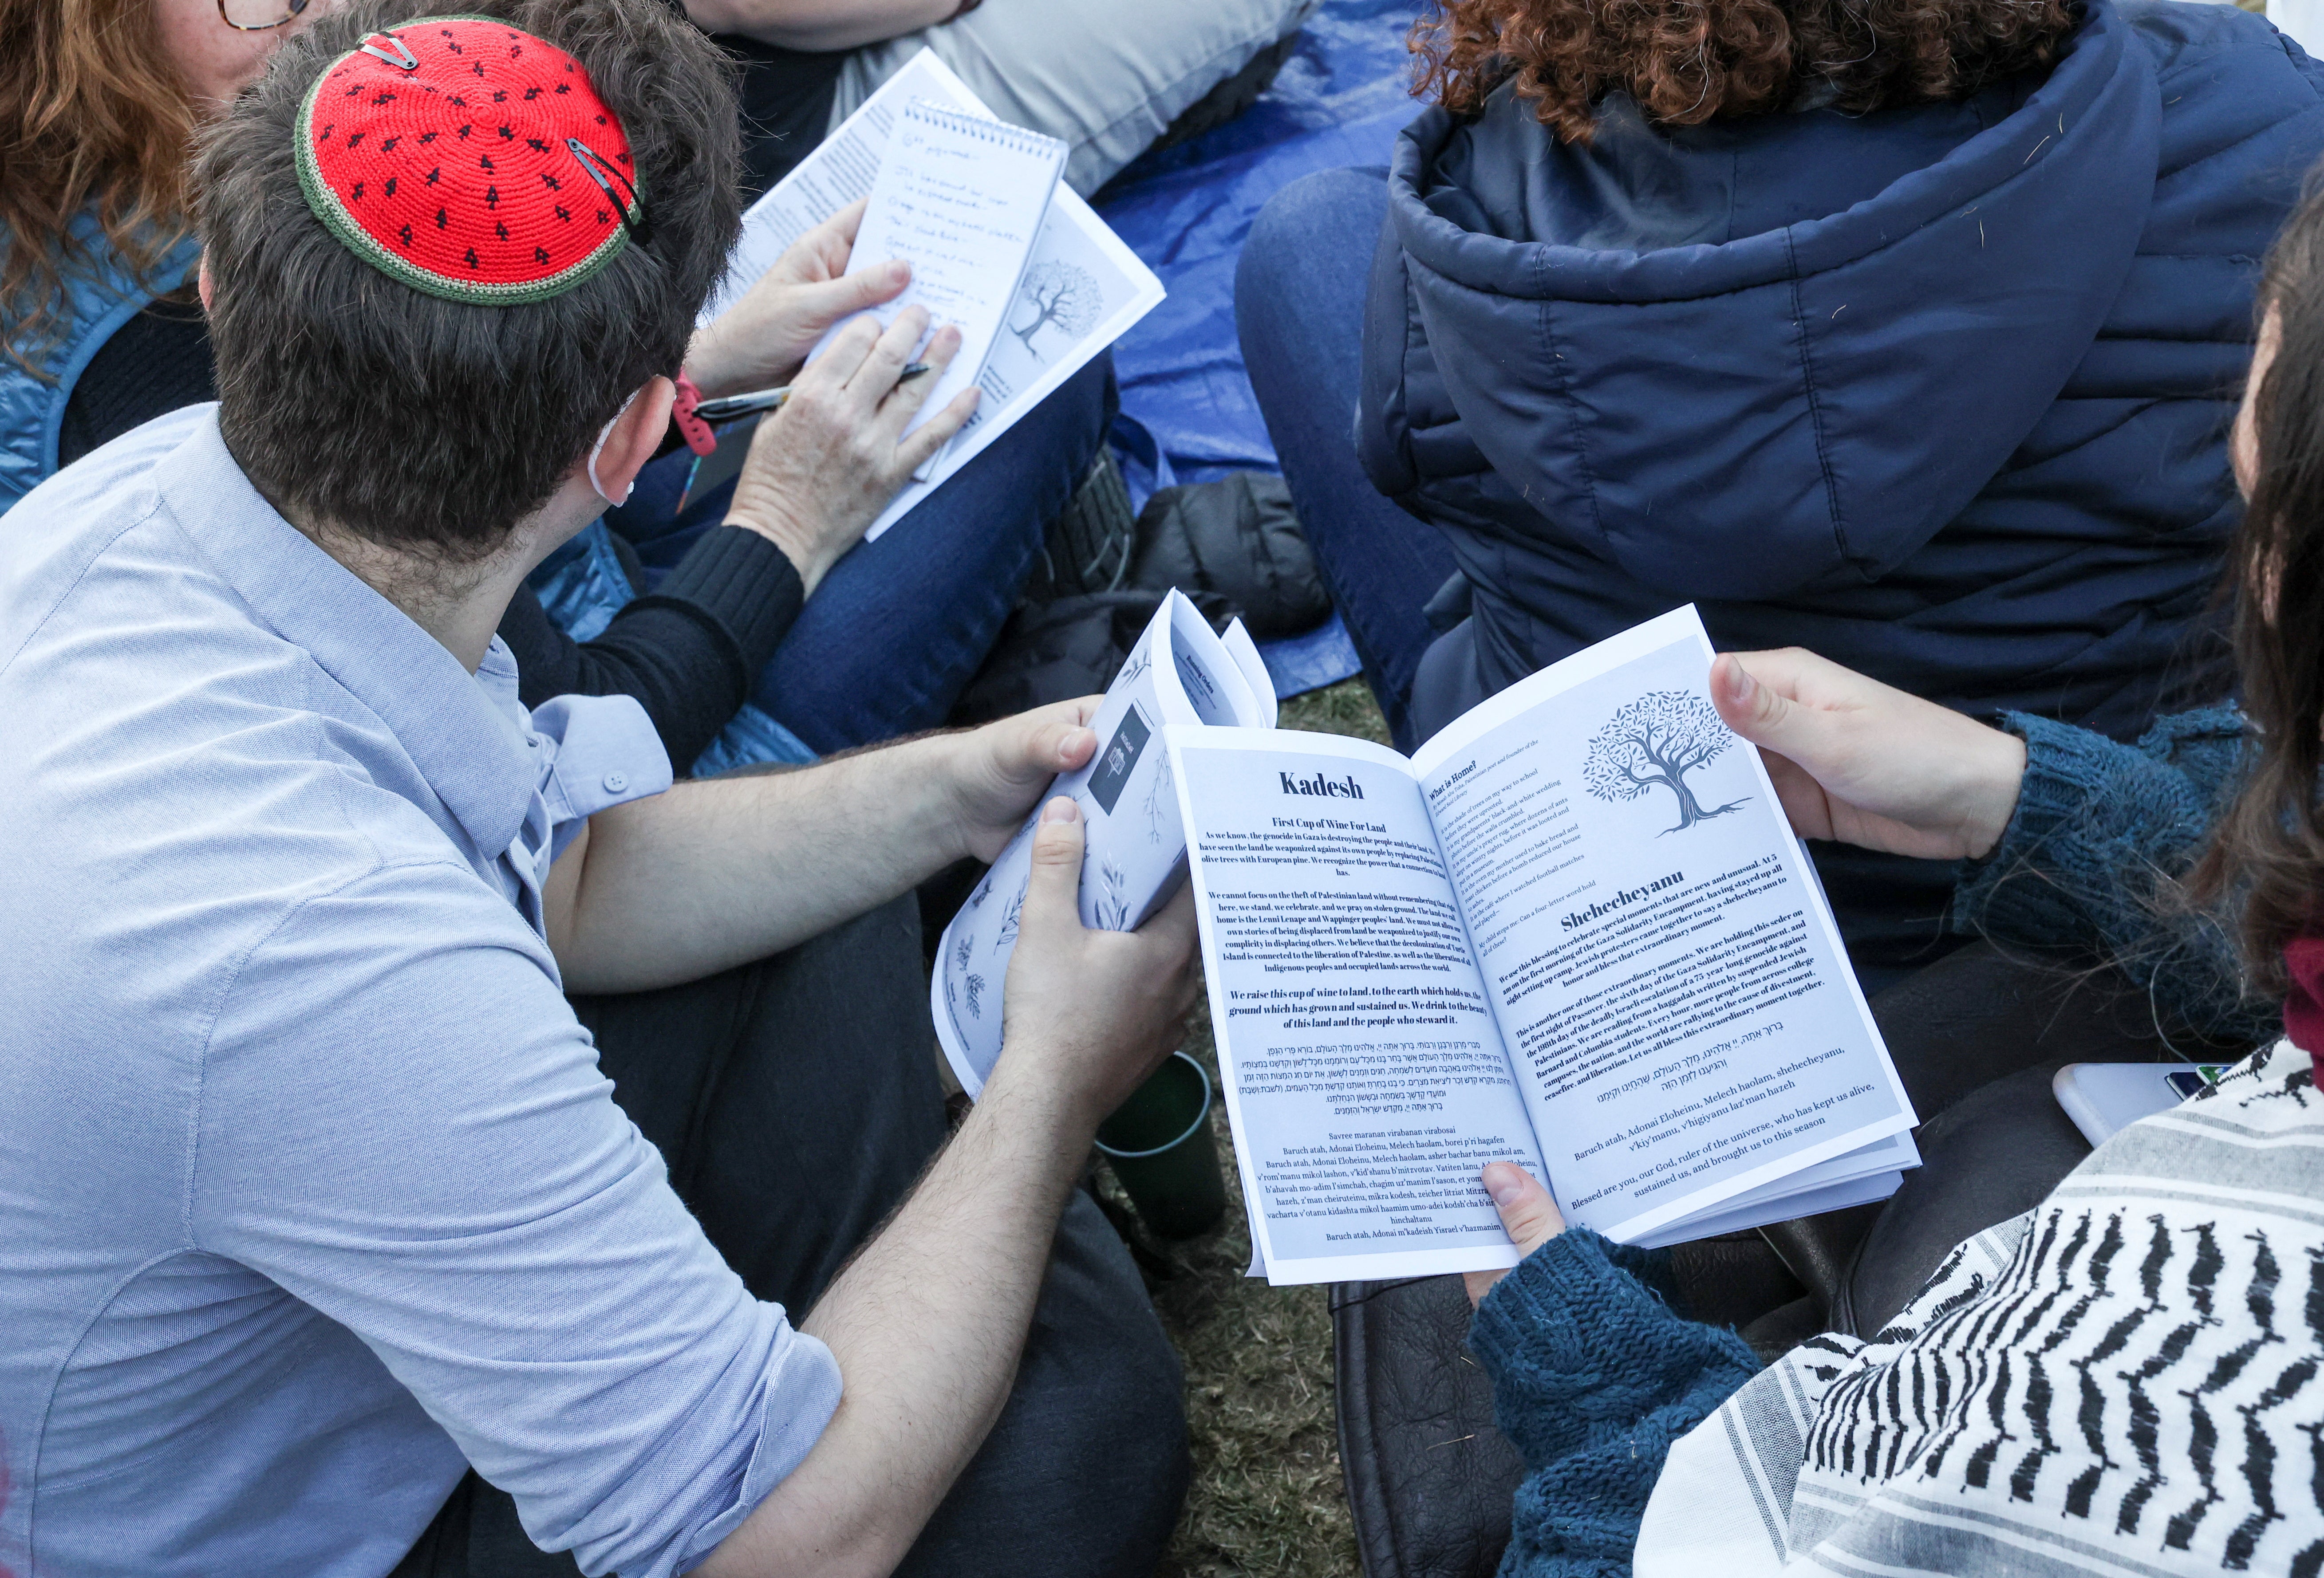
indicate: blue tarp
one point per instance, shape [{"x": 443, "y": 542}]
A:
[{"x": 1339, "y": 100}]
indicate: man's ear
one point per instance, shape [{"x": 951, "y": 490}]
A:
[
  {"x": 204, "y": 286},
  {"x": 635, "y": 434}
]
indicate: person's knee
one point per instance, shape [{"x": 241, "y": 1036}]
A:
[
  {"x": 1105, "y": 1397},
  {"x": 879, "y": 949},
  {"x": 1281, "y": 245},
  {"x": 1296, "y": 284},
  {"x": 1081, "y": 409},
  {"x": 1097, "y": 1348}
]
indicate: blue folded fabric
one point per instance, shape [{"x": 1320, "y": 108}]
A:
[{"x": 1340, "y": 100}]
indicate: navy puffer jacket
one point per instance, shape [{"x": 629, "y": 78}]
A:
[{"x": 1939, "y": 392}]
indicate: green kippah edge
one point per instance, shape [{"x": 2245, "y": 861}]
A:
[{"x": 324, "y": 205}]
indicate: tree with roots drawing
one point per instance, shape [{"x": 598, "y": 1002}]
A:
[
  {"x": 1059, "y": 293},
  {"x": 1657, "y": 739}
]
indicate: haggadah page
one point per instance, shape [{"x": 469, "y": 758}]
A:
[
  {"x": 1667, "y": 980},
  {"x": 1363, "y": 1076}
]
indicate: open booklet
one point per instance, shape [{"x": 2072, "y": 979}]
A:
[
  {"x": 1573, "y": 932},
  {"x": 1079, "y": 289},
  {"x": 962, "y": 198},
  {"x": 1179, "y": 674}
]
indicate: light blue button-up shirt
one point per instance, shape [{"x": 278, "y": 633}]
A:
[{"x": 312, "y": 1193}]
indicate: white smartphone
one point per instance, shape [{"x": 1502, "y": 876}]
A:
[{"x": 2105, "y": 1098}]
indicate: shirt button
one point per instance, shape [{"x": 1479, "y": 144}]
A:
[{"x": 616, "y": 781}]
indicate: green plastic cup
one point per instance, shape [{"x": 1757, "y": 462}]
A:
[{"x": 1160, "y": 1145}]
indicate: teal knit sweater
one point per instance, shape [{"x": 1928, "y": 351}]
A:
[{"x": 1595, "y": 1374}]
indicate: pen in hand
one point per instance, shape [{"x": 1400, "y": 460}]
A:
[{"x": 726, "y": 407}]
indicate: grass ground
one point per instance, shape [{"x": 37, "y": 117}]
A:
[{"x": 1266, "y": 1496}]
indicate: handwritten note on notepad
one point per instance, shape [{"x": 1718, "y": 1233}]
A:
[
  {"x": 1082, "y": 289},
  {"x": 961, "y": 198}
]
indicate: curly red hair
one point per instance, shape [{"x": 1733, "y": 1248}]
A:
[{"x": 1688, "y": 61}]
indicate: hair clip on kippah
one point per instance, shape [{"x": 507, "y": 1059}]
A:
[
  {"x": 403, "y": 58},
  {"x": 442, "y": 154},
  {"x": 641, "y": 225}
]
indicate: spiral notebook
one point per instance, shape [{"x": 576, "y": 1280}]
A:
[
  {"x": 1081, "y": 291},
  {"x": 961, "y": 198}
]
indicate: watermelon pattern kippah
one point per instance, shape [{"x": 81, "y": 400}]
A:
[{"x": 469, "y": 160}]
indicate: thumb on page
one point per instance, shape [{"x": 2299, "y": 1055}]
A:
[
  {"x": 829, "y": 300},
  {"x": 1528, "y": 1215},
  {"x": 1761, "y": 707},
  {"x": 1053, "y": 891}
]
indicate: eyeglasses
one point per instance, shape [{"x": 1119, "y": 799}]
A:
[{"x": 259, "y": 16}]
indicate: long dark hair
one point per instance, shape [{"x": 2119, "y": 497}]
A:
[
  {"x": 1687, "y": 61},
  {"x": 2265, "y": 859}
]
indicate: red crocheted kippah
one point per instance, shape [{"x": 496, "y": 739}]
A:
[{"x": 465, "y": 158}]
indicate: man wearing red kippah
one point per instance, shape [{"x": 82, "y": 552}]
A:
[{"x": 333, "y": 1241}]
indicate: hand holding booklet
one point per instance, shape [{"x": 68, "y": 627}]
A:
[
  {"x": 1573, "y": 932},
  {"x": 1069, "y": 290},
  {"x": 1134, "y": 858},
  {"x": 960, "y": 197}
]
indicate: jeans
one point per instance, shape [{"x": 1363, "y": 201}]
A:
[
  {"x": 1299, "y": 310},
  {"x": 901, "y": 624},
  {"x": 795, "y": 1101}
]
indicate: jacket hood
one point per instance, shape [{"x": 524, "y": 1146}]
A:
[{"x": 1761, "y": 356}]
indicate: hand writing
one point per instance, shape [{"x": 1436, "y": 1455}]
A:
[{"x": 823, "y": 467}]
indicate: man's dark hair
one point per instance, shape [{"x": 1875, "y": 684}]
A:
[{"x": 419, "y": 423}]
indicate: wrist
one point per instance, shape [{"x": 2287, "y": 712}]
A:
[
  {"x": 964, "y": 779},
  {"x": 706, "y": 363},
  {"x": 1993, "y": 797},
  {"x": 1034, "y": 1093},
  {"x": 797, "y": 544},
  {"x": 718, "y": 374}
]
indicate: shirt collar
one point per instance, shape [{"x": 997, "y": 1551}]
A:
[{"x": 471, "y": 752}]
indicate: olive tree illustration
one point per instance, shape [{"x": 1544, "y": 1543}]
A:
[
  {"x": 1059, "y": 293},
  {"x": 1655, "y": 741}
]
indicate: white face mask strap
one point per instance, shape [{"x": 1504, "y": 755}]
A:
[{"x": 599, "y": 448}]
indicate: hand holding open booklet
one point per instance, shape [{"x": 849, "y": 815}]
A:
[
  {"x": 1179, "y": 672},
  {"x": 1573, "y": 932}
]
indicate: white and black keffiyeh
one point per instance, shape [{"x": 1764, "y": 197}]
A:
[{"x": 2128, "y": 1379}]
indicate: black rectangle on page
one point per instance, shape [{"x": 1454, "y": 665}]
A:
[{"x": 1121, "y": 756}]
